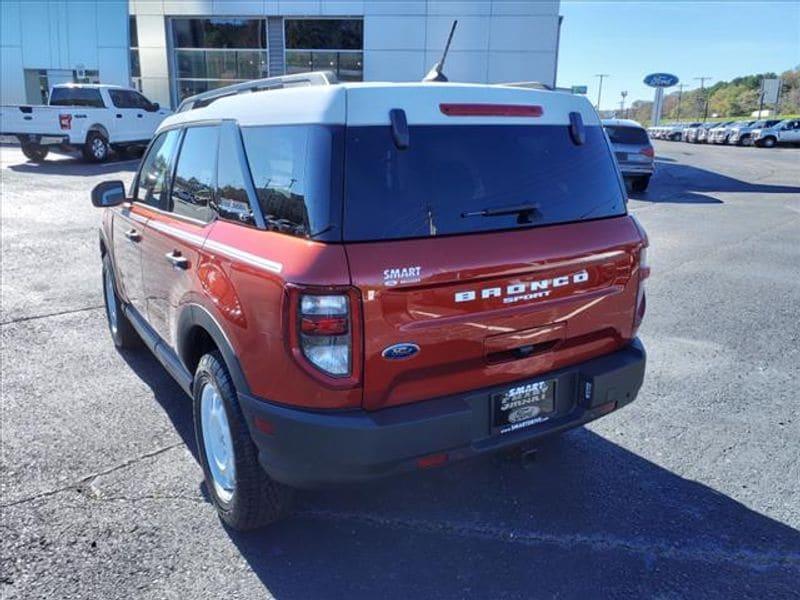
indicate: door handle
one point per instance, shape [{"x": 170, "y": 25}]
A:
[
  {"x": 139, "y": 116},
  {"x": 177, "y": 261},
  {"x": 119, "y": 116},
  {"x": 133, "y": 235}
]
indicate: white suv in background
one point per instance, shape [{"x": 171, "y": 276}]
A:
[{"x": 785, "y": 132}]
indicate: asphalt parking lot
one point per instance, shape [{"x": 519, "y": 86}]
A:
[{"x": 692, "y": 491}]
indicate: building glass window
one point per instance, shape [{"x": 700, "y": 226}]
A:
[
  {"x": 325, "y": 44},
  {"x": 136, "y": 69},
  {"x": 212, "y": 53}
]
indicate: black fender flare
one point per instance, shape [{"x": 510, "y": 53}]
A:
[{"x": 195, "y": 315}]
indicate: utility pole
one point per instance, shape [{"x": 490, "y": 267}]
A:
[
  {"x": 622, "y": 103},
  {"x": 703, "y": 95},
  {"x": 600, "y": 89},
  {"x": 680, "y": 96}
]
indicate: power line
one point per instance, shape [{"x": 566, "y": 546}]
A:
[{"x": 702, "y": 81}]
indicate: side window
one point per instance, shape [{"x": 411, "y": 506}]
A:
[
  {"x": 152, "y": 184},
  {"x": 196, "y": 175},
  {"x": 278, "y": 159},
  {"x": 232, "y": 202},
  {"x": 116, "y": 98},
  {"x": 137, "y": 100}
]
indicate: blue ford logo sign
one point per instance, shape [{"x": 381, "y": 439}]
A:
[
  {"x": 660, "y": 80},
  {"x": 399, "y": 351}
]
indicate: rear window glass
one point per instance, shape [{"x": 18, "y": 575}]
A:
[
  {"x": 627, "y": 135},
  {"x": 70, "y": 96},
  {"x": 451, "y": 174}
]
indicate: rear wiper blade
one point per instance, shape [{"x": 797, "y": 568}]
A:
[{"x": 524, "y": 212}]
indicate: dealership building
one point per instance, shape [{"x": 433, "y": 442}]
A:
[{"x": 170, "y": 49}]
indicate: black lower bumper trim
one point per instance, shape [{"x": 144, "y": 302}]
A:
[{"x": 312, "y": 449}]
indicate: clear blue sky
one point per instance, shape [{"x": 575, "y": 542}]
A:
[{"x": 628, "y": 40}]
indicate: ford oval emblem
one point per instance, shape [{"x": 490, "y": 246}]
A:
[
  {"x": 400, "y": 351},
  {"x": 661, "y": 80}
]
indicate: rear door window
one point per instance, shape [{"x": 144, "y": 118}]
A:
[
  {"x": 152, "y": 184},
  {"x": 196, "y": 174},
  {"x": 451, "y": 175},
  {"x": 627, "y": 135}
]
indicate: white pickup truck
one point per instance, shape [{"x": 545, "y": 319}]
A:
[{"x": 90, "y": 118}]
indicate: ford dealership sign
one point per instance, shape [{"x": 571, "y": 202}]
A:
[{"x": 660, "y": 80}]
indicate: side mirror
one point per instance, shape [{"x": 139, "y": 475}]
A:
[
  {"x": 108, "y": 193},
  {"x": 155, "y": 107}
]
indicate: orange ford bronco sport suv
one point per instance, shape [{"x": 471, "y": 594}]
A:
[{"x": 355, "y": 280}]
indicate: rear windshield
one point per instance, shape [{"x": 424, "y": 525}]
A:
[
  {"x": 627, "y": 135},
  {"x": 69, "y": 96},
  {"x": 449, "y": 177}
]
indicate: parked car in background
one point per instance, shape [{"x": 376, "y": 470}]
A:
[
  {"x": 702, "y": 132},
  {"x": 633, "y": 151},
  {"x": 742, "y": 135},
  {"x": 324, "y": 340},
  {"x": 719, "y": 133},
  {"x": 690, "y": 132},
  {"x": 673, "y": 132},
  {"x": 90, "y": 118},
  {"x": 784, "y": 132}
]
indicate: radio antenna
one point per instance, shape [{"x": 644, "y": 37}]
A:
[{"x": 436, "y": 74}]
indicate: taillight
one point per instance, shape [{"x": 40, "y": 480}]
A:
[
  {"x": 648, "y": 151},
  {"x": 325, "y": 332},
  {"x": 65, "y": 121}
]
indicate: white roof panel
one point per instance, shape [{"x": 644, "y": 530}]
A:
[{"x": 361, "y": 104}]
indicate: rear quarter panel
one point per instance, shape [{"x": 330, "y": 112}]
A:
[{"x": 242, "y": 276}]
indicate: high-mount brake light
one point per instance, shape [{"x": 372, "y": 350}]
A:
[
  {"x": 324, "y": 332},
  {"x": 491, "y": 110}
]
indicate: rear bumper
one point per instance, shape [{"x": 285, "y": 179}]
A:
[
  {"x": 634, "y": 169},
  {"x": 311, "y": 449},
  {"x": 42, "y": 139}
]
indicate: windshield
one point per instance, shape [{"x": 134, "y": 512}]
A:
[
  {"x": 627, "y": 135},
  {"x": 469, "y": 178}
]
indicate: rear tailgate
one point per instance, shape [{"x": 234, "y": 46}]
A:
[
  {"x": 24, "y": 119},
  {"x": 543, "y": 299},
  {"x": 488, "y": 237}
]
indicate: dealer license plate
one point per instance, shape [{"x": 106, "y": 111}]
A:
[{"x": 523, "y": 405}]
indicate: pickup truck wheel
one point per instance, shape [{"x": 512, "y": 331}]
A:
[
  {"x": 243, "y": 494},
  {"x": 35, "y": 152},
  {"x": 122, "y": 332},
  {"x": 96, "y": 147},
  {"x": 769, "y": 142}
]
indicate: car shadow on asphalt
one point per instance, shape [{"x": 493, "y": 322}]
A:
[
  {"x": 684, "y": 184},
  {"x": 75, "y": 167},
  {"x": 587, "y": 518},
  {"x": 172, "y": 399}
]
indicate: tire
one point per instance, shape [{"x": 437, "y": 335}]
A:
[
  {"x": 96, "y": 148},
  {"x": 35, "y": 152},
  {"x": 746, "y": 141},
  {"x": 769, "y": 142},
  {"x": 640, "y": 183},
  {"x": 243, "y": 494},
  {"x": 122, "y": 332}
]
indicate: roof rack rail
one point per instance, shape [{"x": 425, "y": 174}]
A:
[{"x": 259, "y": 85}]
